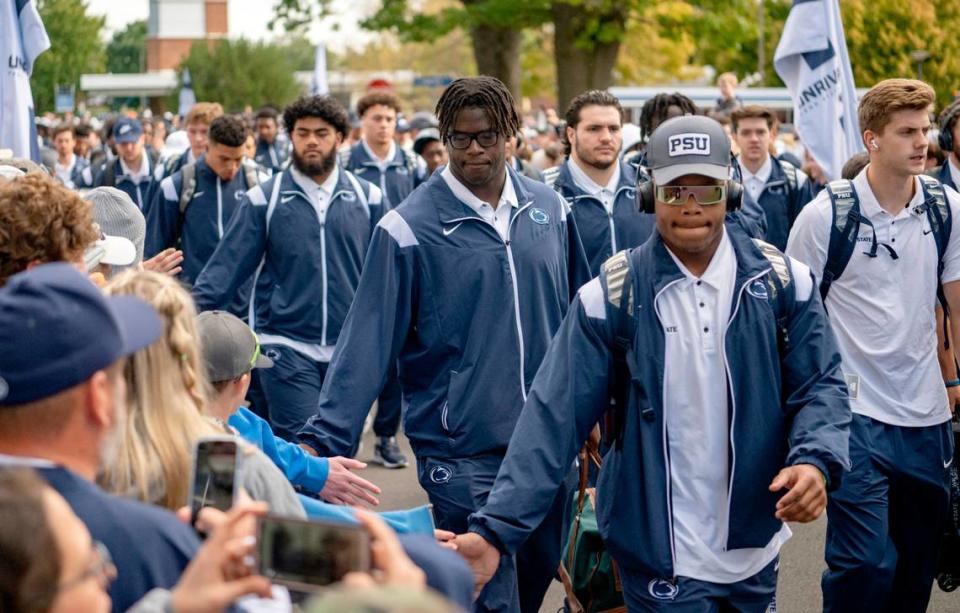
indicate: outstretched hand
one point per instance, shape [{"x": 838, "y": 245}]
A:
[
  {"x": 807, "y": 497},
  {"x": 345, "y": 487},
  {"x": 482, "y": 557}
]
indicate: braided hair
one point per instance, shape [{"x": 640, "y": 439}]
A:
[
  {"x": 654, "y": 111},
  {"x": 487, "y": 93}
]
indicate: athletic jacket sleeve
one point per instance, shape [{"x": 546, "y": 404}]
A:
[
  {"x": 813, "y": 386},
  {"x": 566, "y": 400},
  {"x": 370, "y": 341},
  {"x": 299, "y": 467},
  {"x": 810, "y": 236},
  {"x": 237, "y": 255},
  {"x": 162, "y": 217}
]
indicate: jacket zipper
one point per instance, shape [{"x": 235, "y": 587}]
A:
[
  {"x": 219, "y": 212},
  {"x": 733, "y": 405},
  {"x": 516, "y": 301},
  {"x": 666, "y": 446}
]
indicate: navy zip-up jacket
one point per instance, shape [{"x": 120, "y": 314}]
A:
[
  {"x": 786, "y": 408},
  {"x": 206, "y": 218},
  {"x": 270, "y": 155},
  {"x": 141, "y": 192},
  {"x": 780, "y": 203},
  {"x": 396, "y": 181},
  {"x": 305, "y": 272},
  {"x": 468, "y": 315},
  {"x": 602, "y": 233}
]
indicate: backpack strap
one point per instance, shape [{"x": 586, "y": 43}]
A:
[
  {"x": 616, "y": 279},
  {"x": 845, "y": 204},
  {"x": 250, "y": 175},
  {"x": 109, "y": 173},
  {"x": 791, "y": 172},
  {"x": 940, "y": 219},
  {"x": 782, "y": 295},
  {"x": 188, "y": 188}
]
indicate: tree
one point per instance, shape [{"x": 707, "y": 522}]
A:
[
  {"x": 239, "y": 72},
  {"x": 75, "y": 49},
  {"x": 126, "y": 51}
]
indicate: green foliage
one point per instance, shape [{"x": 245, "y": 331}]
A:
[
  {"x": 239, "y": 72},
  {"x": 75, "y": 49},
  {"x": 126, "y": 51}
]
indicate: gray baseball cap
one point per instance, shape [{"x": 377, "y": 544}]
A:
[
  {"x": 230, "y": 347},
  {"x": 688, "y": 145}
]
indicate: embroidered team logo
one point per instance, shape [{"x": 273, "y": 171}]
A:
[
  {"x": 539, "y": 216},
  {"x": 690, "y": 143},
  {"x": 662, "y": 589},
  {"x": 273, "y": 354},
  {"x": 440, "y": 474},
  {"x": 402, "y": 170},
  {"x": 758, "y": 289},
  {"x": 239, "y": 194},
  {"x": 349, "y": 197}
]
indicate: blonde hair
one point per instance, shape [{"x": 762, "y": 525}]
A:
[
  {"x": 204, "y": 112},
  {"x": 890, "y": 96},
  {"x": 167, "y": 392}
]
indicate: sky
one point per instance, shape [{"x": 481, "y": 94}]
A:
[{"x": 248, "y": 18}]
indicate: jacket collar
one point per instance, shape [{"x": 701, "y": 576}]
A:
[
  {"x": 750, "y": 261},
  {"x": 343, "y": 186},
  {"x": 449, "y": 208},
  {"x": 360, "y": 157},
  {"x": 567, "y": 186}
]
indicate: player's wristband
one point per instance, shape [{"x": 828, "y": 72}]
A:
[{"x": 952, "y": 383}]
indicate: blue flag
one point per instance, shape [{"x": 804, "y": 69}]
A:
[
  {"x": 187, "y": 97},
  {"x": 812, "y": 60},
  {"x": 22, "y": 39}
]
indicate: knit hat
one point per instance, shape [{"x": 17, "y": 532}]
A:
[{"x": 117, "y": 215}]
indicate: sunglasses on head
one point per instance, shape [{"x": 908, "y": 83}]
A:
[{"x": 677, "y": 195}]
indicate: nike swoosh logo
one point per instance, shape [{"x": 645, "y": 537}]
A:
[
  {"x": 197, "y": 194},
  {"x": 287, "y": 198},
  {"x": 948, "y": 463},
  {"x": 449, "y": 231},
  {"x": 925, "y": 232}
]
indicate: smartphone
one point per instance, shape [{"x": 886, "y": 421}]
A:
[
  {"x": 214, "y": 479},
  {"x": 308, "y": 554}
]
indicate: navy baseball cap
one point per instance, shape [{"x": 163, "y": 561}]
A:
[
  {"x": 127, "y": 130},
  {"x": 57, "y": 329}
]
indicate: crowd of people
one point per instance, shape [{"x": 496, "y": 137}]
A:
[{"x": 759, "y": 344}]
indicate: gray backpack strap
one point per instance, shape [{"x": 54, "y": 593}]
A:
[
  {"x": 250, "y": 174},
  {"x": 616, "y": 278},
  {"x": 791, "y": 172},
  {"x": 777, "y": 260},
  {"x": 188, "y": 186}
]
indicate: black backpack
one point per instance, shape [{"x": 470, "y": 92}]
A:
[{"x": 189, "y": 186}]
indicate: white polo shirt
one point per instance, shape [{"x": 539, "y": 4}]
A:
[
  {"x": 603, "y": 193},
  {"x": 881, "y": 309},
  {"x": 754, "y": 183},
  {"x": 499, "y": 218}
]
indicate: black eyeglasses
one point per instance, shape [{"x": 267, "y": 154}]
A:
[{"x": 462, "y": 140}]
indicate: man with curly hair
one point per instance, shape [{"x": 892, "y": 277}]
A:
[{"x": 42, "y": 221}]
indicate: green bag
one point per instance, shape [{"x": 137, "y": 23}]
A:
[{"x": 590, "y": 576}]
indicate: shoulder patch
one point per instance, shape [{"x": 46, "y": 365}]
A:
[
  {"x": 591, "y": 297},
  {"x": 169, "y": 191},
  {"x": 397, "y": 227}
]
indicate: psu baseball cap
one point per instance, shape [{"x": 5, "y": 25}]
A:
[
  {"x": 230, "y": 348},
  {"x": 127, "y": 130},
  {"x": 688, "y": 145},
  {"x": 57, "y": 329}
]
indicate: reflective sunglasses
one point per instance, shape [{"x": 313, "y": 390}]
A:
[
  {"x": 462, "y": 140},
  {"x": 677, "y": 195}
]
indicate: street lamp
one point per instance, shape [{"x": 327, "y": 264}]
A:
[{"x": 920, "y": 56}]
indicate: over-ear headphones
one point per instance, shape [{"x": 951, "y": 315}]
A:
[
  {"x": 646, "y": 201},
  {"x": 948, "y": 122}
]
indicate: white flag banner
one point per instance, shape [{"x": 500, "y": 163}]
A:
[
  {"x": 22, "y": 39},
  {"x": 187, "y": 98},
  {"x": 320, "y": 85},
  {"x": 812, "y": 60}
]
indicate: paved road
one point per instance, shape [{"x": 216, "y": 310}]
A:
[{"x": 800, "y": 566}]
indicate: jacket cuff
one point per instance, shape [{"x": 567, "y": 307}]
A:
[
  {"x": 830, "y": 483},
  {"x": 477, "y": 525},
  {"x": 315, "y": 477}
]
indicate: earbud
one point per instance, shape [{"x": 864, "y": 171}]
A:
[{"x": 873, "y": 143}]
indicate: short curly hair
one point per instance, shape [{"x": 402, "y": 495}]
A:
[
  {"x": 324, "y": 107},
  {"x": 41, "y": 221}
]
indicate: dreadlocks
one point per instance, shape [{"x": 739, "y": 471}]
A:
[
  {"x": 654, "y": 111},
  {"x": 487, "y": 93}
]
